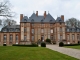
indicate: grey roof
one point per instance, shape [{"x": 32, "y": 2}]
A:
[
  {"x": 72, "y": 29},
  {"x": 59, "y": 19},
  {"x": 11, "y": 28},
  {"x": 39, "y": 18}
]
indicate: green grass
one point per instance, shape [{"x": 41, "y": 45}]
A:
[
  {"x": 74, "y": 47},
  {"x": 31, "y": 53}
]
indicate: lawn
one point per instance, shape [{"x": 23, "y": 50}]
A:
[
  {"x": 31, "y": 53},
  {"x": 74, "y": 47}
]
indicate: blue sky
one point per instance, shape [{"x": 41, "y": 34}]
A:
[{"x": 68, "y": 8}]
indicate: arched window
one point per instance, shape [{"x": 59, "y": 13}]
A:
[
  {"x": 25, "y": 20},
  {"x": 32, "y": 20}
]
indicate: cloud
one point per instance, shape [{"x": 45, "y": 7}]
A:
[{"x": 68, "y": 8}]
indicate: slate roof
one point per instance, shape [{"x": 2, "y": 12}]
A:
[
  {"x": 72, "y": 29},
  {"x": 39, "y": 18},
  {"x": 11, "y": 28}
]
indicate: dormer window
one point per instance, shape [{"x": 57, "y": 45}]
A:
[
  {"x": 77, "y": 30},
  {"x": 41, "y": 20},
  {"x": 67, "y": 30},
  {"x": 5, "y": 30},
  {"x": 32, "y": 20},
  {"x": 25, "y": 20},
  {"x": 50, "y": 20}
]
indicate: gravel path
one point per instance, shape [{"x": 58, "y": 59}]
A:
[{"x": 68, "y": 51}]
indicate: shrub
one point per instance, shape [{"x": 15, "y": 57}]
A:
[
  {"x": 4, "y": 44},
  {"x": 71, "y": 44},
  {"x": 43, "y": 44},
  {"x": 32, "y": 45},
  {"x": 48, "y": 40},
  {"x": 61, "y": 44}
]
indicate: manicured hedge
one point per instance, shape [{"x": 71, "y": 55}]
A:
[
  {"x": 32, "y": 45},
  {"x": 43, "y": 44},
  {"x": 71, "y": 44},
  {"x": 61, "y": 44}
]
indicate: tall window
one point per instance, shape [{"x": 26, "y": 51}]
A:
[
  {"x": 42, "y": 31},
  {"x": 51, "y": 37},
  {"x": 60, "y": 37},
  {"x": 5, "y": 37},
  {"x": 60, "y": 29},
  {"x": 25, "y": 37},
  {"x": 32, "y": 31},
  {"x": 67, "y": 37},
  {"x": 32, "y": 24},
  {"x": 67, "y": 30},
  {"x": 25, "y": 29},
  {"x": 10, "y": 38},
  {"x": 16, "y": 37},
  {"x": 72, "y": 36},
  {"x": 51, "y": 30},
  {"x": 78, "y": 38},
  {"x": 32, "y": 38}
]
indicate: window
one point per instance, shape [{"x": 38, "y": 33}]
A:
[
  {"x": 32, "y": 31},
  {"x": 32, "y": 24},
  {"x": 67, "y": 37},
  {"x": 32, "y": 38},
  {"x": 25, "y": 29},
  {"x": 51, "y": 37},
  {"x": 11, "y": 30},
  {"x": 51, "y": 24},
  {"x": 5, "y": 37},
  {"x": 51, "y": 30},
  {"x": 25, "y": 37},
  {"x": 16, "y": 37},
  {"x": 42, "y": 24},
  {"x": 32, "y": 20},
  {"x": 60, "y": 37},
  {"x": 67, "y": 30},
  {"x": 25, "y": 20},
  {"x": 77, "y": 30},
  {"x": 42, "y": 31},
  {"x": 78, "y": 38},
  {"x": 5, "y": 30},
  {"x": 10, "y": 38},
  {"x": 72, "y": 36},
  {"x": 60, "y": 29}
]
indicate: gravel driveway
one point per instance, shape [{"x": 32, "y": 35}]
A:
[{"x": 68, "y": 51}]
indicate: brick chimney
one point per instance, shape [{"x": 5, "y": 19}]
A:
[
  {"x": 21, "y": 17},
  {"x": 36, "y": 13},
  {"x": 62, "y": 17},
  {"x": 44, "y": 14}
]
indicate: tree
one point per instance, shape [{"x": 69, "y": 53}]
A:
[
  {"x": 73, "y": 22},
  {"x": 6, "y": 22},
  {"x": 5, "y": 11}
]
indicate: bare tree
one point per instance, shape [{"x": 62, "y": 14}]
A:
[
  {"x": 73, "y": 22},
  {"x": 5, "y": 11},
  {"x": 6, "y": 22}
]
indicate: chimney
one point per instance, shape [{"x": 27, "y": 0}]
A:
[
  {"x": 21, "y": 17},
  {"x": 36, "y": 13},
  {"x": 44, "y": 14},
  {"x": 62, "y": 17}
]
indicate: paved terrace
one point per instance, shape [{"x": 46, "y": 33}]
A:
[{"x": 68, "y": 51}]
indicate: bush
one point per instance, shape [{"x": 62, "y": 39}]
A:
[
  {"x": 4, "y": 44},
  {"x": 71, "y": 44},
  {"x": 43, "y": 44},
  {"x": 61, "y": 44},
  {"x": 32, "y": 45},
  {"x": 48, "y": 40}
]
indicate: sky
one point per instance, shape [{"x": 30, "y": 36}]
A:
[{"x": 68, "y": 8}]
